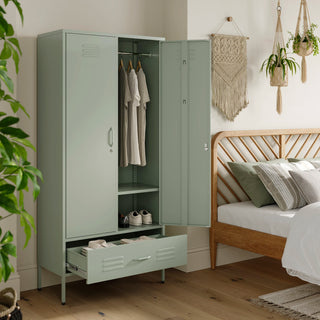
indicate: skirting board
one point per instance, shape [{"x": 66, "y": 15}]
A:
[{"x": 199, "y": 259}]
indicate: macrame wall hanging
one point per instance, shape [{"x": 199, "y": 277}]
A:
[
  {"x": 303, "y": 47},
  {"x": 229, "y": 72},
  {"x": 279, "y": 78}
]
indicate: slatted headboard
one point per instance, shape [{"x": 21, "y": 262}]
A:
[{"x": 254, "y": 146}]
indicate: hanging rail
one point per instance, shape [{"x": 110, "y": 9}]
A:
[{"x": 139, "y": 54}]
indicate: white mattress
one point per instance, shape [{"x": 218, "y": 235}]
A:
[{"x": 269, "y": 219}]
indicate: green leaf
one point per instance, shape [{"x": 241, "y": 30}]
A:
[
  {"x": 21, "y": 151},
  {"x": 27, "y": 229},
  {"x": 7, "y": 188},
  {"x": 14, "y": 132},
  {"x": 8, "y": 121},
  {"x": 24, "y": 181},
  {"x": 16, "y": 60},
  {"x": 7, "y": 238},
  {"x": 10, "y": 31},
  {"x": 7, "y": 268},
  {"x": 36, "y": 187},
  {"x": 17, "y": 4},
  {"x": 16, "y": 105},
  {"x": 8, "y": 204},
  {"x": 35, "y": 171},
  {"x": 25, "y": 142},
  {"x": 10, "y": 249},
  {"x": 6, "y": 79},
  {"x": 7, "y": 146},
  {"x": 15, "y": 42},
  {"x": 6, "y": 51}
]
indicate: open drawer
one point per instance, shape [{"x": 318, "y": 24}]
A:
[{"x": 128, "y": 259}]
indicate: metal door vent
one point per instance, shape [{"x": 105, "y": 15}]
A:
[{"x": 90, "y": 50}]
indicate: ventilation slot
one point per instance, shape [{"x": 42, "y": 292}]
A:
[
  {"x": 165, "y": 254},
  {"x": 112, "y": 264}
]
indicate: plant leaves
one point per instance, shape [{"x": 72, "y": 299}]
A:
[
  {"x": 15, "y": 42},
  {"x": 8, "y": 121},
  {"x": 36, "y": 187},
  {"x": 6, "y": 51},
  {"x": 8, "y": 204},
  {"x": 25, "y": 142},
  {"x": 7, "y": 238},
  {"x": 7, "y": 146},
  {"x": 35, "y": 171},
  {"x": 7, "y": 188},
  {"x": 14, "y": 132},
  {"x": 10, "y": 249}
]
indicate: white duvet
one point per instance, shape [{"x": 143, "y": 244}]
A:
[{"x": 301, "y": 256}]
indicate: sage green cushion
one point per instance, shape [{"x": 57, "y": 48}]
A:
[{"x": 251, "y": 183}]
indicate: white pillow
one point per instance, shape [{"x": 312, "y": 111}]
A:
[
  {"x": 308, "y": 182},
  {"x": 280, "y": 185}
]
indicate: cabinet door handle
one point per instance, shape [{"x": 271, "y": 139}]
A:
[
  {"x": 142, "y": 258},
  {"x": 110, "y": 137}
]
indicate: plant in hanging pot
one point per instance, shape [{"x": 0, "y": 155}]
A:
[
  {"x": 305, "y": 44},
  {"x": 16, "y": 172},
  {"x": 277, "y": 66}
]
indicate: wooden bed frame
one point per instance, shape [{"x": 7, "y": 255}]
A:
[{"x": 251, "y": 146}]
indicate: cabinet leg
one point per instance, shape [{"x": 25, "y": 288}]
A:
[
  {"x": 163, "y": 275},
  {"x": 63, "y": 290},
  {"x": 39, "y": 283}
]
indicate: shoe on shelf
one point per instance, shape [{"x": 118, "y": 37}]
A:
[
  {"x": 135, "y": 219},
  {"x": 123, "y": 221},
  {"x": 146, "y": 216}
]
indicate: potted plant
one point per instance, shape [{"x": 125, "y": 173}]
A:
[
  {"x": 306, "y": 43},
  {"x": 16, "y": 172},
  {"x": 277, "y": 66}
]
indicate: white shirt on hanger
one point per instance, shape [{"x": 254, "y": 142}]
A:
[
  {"x": 133, "y": 140},
  {"x": 124, "y": 99},
  {"x": 144, "y": 95}
]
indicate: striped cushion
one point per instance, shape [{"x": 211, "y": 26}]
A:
[{"x": 280, "y": 185}]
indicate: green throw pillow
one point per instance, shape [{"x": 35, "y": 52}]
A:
[
  {"x": 300, "y": 159},
  {"x": 250, "y": 182}
]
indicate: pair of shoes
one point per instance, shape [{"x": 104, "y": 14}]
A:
[{"x": 138, "y": 218}]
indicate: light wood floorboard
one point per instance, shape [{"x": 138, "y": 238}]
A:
[{"x": 220, "y": 294}]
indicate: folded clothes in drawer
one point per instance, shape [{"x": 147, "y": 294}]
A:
[{"x": 129, "y": 259}]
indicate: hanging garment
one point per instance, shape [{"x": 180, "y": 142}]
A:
[
  {"x": 133, "y": 140},
  {"x": 124, "y": 99},
  {"x": 144, "y": 95}
]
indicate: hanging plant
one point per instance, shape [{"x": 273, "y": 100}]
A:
[
  {"x": 277, "y": 66},
  {"x": 304, "y": 45},
  {"x": 304, "y": 42}
]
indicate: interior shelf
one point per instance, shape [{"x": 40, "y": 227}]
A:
[
  {"x": 133, "y": 188},
  {"x": 139, "y": 228}
]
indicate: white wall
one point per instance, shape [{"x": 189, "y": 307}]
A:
[
  {"x": 301, "y": 107},
  {"x": 141, "y": 17}
]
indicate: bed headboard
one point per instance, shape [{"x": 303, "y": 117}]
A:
[{"x": 254, "y": 146}]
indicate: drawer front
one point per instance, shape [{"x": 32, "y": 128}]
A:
[{"x": 129, "y": 259}]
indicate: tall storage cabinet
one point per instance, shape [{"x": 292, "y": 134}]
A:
[{"x": 84, "y": 189}]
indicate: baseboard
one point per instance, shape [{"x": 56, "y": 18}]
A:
[
  {"x": 28, "y": 277},
  {"x": 199, "y": 259},
  {"x": 13, "y": 282}
]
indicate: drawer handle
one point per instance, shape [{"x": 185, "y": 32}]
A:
[{"x": 142, "y": 258}]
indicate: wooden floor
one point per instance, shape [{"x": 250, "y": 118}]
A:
[{"x": 223, "y": 294}]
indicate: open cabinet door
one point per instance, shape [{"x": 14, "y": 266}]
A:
[{"x": 185, "y": 133}]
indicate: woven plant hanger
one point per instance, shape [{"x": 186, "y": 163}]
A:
[
  {"x": 305, "y": 49},
  {"x": 276, "y": 80}
]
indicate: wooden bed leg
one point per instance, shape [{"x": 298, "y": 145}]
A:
[{"x": 213, "y": 249}]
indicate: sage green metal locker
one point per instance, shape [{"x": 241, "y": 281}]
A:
[{"x": 84, "y": 188}]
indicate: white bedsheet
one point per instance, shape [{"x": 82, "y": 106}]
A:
[
  {"x": 301, "y": 256},
  {"x": 268, "y": 219}
]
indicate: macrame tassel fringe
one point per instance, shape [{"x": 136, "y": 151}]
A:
[
  {"x": 279, "y": 101},
  {"x": 304, "y": 69}
]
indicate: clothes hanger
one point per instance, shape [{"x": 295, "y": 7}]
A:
[
  {"x": 121, "y": 65},
  {"x": 130, "y": 66},
  {"x": 138, "y": 66}
]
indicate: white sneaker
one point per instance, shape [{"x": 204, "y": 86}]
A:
[
  {"x": 146, "y": 216},
  {"x": 135, "y": 219}
]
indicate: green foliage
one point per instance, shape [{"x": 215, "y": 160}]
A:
[
  {"x": 16, "y": 172},
  {"x": 310, "y": 38},
  {"x": 279, "y": 60}
]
